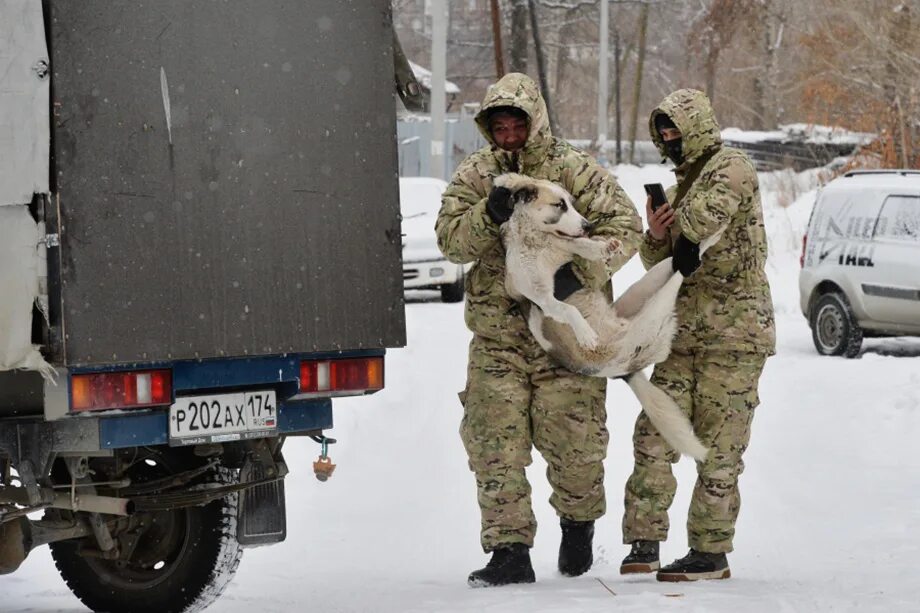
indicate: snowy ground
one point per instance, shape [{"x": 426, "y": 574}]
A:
[{"x": 831, "y": 498}]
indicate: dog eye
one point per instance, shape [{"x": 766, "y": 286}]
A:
[{"x": 561, "y": 205}]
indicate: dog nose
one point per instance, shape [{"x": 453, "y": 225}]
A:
[{"x": 587, "y": 226}]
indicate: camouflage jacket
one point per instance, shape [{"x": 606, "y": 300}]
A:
[
  {"x": 726, "y": 304},
  {"x": 466, "y": 233}
]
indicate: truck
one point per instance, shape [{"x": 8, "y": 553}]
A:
[{"x": 199, "y": 251}]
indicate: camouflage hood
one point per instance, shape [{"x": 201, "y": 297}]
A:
[
  {"x": 692, "y": 113},
  {"x": 520, "y": 91}
]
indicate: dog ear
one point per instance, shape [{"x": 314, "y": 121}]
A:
[{"x": 525, "y": 195}]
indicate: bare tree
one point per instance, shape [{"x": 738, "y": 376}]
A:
[
  {"x": 848, "y": 63},
  {"x": 497, "y": 40},
  {"x": 713, "y": 33},
  {"x": 541, "y": 66},
  {"x": 519, "y": 35},
  {"x": 637, "y": 92},
  {"x": 860, "y": 71}
]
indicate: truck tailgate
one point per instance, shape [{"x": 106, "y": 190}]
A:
[{"x": 225, "y": 178}]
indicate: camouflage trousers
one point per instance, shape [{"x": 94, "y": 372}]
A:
[
  {"x": 718, "y": 391},
  {"x": 516, "y": 398}
]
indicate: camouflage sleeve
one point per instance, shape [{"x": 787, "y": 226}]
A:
[
  {"x": 605, "y": 204},
  {"x": 464, "y": 229},
  {"x": 715, "y": 205},
  {"x": 653, "y": 250}
]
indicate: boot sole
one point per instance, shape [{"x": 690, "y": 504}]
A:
[
  {"x": 639, "y": 568},
  {"x": 725, "y": 573},
  {"x": 574, "y": 573},
  {"x": 478, "y": 583}
]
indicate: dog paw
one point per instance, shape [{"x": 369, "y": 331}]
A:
[
  {"x": 586, "y": 337},
  {"x": 612, "y": 247}
]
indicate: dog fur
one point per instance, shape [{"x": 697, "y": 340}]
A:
[{"x": 586, "y": 333}]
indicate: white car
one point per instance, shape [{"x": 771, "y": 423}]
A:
[
  {"x": 861, "y": 260},
  {"x": 424, "y": 267}
]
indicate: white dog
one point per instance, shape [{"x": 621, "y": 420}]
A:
[{"x": 586, "y": 333}]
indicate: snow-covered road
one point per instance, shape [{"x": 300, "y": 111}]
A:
[{"x": 828, "y": 523}]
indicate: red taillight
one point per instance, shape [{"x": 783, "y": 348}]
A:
[
  {"x": 347, "y": 375},
  {"x": 120, "y": 390},
  {"x": 802, "y": 258}
]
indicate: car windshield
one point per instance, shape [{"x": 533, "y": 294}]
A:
[{"x": 419, "y": 197}]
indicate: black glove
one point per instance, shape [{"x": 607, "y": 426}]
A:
[
  {"x": 686, "y": 256},
  {"x": 499, "y": 206},
  {"x": 565, "y": 283}
]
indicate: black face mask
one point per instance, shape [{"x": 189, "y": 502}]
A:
[{"x": 675, "y": 151}]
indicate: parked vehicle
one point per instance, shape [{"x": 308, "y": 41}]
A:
[
  {"x": 199, "y": 250},
  {"x": 861, "y": 260},
  {"x": 424, "y": 267}
]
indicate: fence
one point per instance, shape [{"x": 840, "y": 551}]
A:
[
  {"x": 770, "y": 155},
  {"x": 461, "y": 138}
]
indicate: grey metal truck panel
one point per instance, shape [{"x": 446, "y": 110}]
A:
[
  {"x": 24, "y": 109},
  {"x": 226, "y": 174}
]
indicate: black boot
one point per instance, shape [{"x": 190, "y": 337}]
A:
[
  {"x": 575, "y": 551},
  {"x": 642, "y": 558},
  {"x": 696, "y": 565},
  {"x": 509, "y": 564}
]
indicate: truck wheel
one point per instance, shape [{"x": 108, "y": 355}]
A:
[
  {"x": 453, "y": 292},
  {"x": 183, "y": 559},
  {"x": 833, "y": 328}
]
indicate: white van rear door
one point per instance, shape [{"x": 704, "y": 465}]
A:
[
  {"x": 840, "y": 247},
  {"x": 894, "y": 293}
]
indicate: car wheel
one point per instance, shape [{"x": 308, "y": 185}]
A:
[
  {"x": 833, "y": 328},
  {"x": 453, "y": 292}
]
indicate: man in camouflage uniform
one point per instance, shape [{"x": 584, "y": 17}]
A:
[
  {"x": 516, "y": 397},
  {"x": 725, "y": 333}
]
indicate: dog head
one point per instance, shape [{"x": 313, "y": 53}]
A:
[{"x": 545, "y": 205}]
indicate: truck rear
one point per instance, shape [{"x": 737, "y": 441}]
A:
[{"x": 202, "y": 250}]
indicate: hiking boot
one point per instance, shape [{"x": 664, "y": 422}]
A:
[
  {"x": 642, "y": 558},
  {"x": 696, "y": 565},
  {"x": 575, "y": 551},
  {"x": 509, "y": 564}
]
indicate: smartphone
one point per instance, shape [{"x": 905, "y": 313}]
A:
[{"x": 656, "y": 191}]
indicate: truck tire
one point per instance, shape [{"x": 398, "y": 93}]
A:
[
  {"x": 833, "y": 328},
  {"x": 183, "y": 560},
  {"x": 453, "y": 292}
]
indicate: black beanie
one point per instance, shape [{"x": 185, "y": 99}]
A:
[
  {"x": 507, "y": 110},
  {"x": 662, "y": 121}
]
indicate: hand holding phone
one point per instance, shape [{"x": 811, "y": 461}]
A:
[
  {"x": 659, "y": 216},
  {"x": 656, "y": 191}
]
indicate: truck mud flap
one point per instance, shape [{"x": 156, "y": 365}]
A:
[
  {"x": 261, "y": 515},
  {"x": 15, "y": 543}
]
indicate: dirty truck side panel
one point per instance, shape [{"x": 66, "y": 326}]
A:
[{"x": 225, "y": 174}]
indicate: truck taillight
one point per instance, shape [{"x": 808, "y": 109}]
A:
[
  {"x": 802, "y": 257},
  {"x": 352, "y": 375},
  {"x": 120, "y": 390}
]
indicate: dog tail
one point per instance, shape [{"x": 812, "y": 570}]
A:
[{"x": 666, "y": 416}]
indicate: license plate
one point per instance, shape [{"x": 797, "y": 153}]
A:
[{"x": 194, "y": 420}]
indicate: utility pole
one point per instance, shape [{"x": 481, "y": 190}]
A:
[
  {"x": 603, "y": 72},
  {"x": 438, "y": 86},
  {"x": 497, "y": 39}
]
